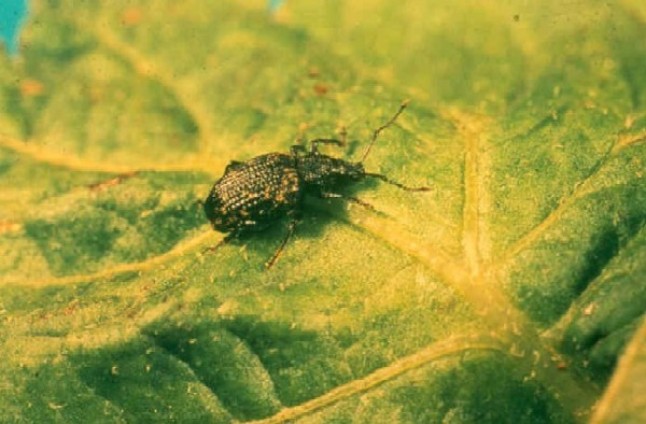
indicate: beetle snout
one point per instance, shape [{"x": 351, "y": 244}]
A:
[{"x": 358, "y": 171}]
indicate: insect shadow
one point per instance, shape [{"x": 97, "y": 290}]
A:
[{"x": 271, "y": 189}]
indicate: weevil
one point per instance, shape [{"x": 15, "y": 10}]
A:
[{"x": 266, "y": 189}]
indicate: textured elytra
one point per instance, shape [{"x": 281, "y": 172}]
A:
[{"x": 253, "y": 194}]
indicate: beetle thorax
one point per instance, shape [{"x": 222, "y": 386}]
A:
[{"x": 322, "y": 171}]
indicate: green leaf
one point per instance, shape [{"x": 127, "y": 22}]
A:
[
  {"x": 508, "y": 293},
  {"x": 624, "y": 399}
]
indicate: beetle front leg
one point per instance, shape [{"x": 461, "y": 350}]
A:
[
  {"x": 395, "y": 183},
  {"x": 298, "y": 149},
  {"x": 314, "y": 143}
]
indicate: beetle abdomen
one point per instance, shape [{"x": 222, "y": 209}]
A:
[{"x": 253, "y": 194}]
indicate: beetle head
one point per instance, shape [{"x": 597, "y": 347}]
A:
[{"x": 326, "y": 172}]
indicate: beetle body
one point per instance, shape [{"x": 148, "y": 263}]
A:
[
  {"x": 255, "y": 194},
  {"x": 252, "y": 195}
]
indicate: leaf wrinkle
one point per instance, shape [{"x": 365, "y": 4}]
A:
[{"x": 433, "y": 352}]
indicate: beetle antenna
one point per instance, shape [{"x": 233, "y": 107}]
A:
[{"x": 383, "y": 127}]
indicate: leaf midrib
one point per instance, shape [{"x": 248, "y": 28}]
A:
[{"x": 478, "y": 284}]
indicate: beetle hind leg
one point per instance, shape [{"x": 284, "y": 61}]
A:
[
  {"x": 226, "y": 239},
  {"x": 291, "y": 228}
]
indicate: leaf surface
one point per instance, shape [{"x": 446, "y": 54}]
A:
[{"x": 505, "y": 294}]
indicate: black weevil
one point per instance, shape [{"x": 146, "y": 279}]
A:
[{"x": 255, "y": 194}]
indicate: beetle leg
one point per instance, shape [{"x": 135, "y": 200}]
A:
[
  {"x": 298, "y": 148},
  {"x": 314, "y": 143},
  {"x": 112, "y": 181},
  {"x": 350, "y": 199},
  {"x": 395, "y": 183},
  {"x": 226, "y": 239},
  {"x": 233, "y": 165},
  {"x": 291, "y": 228}
]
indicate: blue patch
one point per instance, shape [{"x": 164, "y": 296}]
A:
[{"x": 12, "y": 16}]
